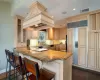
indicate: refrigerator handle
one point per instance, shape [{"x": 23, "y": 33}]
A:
[{"x": 76, "y": 44}]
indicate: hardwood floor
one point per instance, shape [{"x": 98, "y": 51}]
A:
[{"x": 78, "y": 74}]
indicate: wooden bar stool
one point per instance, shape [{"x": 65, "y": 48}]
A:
[
  {"x": 37, "y": 74},
  {"x": 14, "y": 61},
  {"x": 9, "y": 61}
]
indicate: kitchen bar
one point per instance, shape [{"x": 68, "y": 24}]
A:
[{"x": 55, "y": 61}]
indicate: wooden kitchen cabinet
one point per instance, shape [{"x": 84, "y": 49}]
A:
[
  {"x": 20, "y": 34},
  {"x": 24, "y": 35},
  {"x": 50, "y": 32},
  {"x": 62, "y": 47},
  {"x": 92, "y": 22},
  {"x": 56, "y": 33},
  {"x": 19, "y": 29},
  {"x": 57, "y": 47},
  {"x": 63, "y": 33},
  {"x": 98, "y": 51},
  {"x": 82, "y": 46},
  {"x": 70, "y": 40},
  {"x": 92, "y": 50},
  {"x": 31, "y": 34},
  {"x": 98, "y": 21}
]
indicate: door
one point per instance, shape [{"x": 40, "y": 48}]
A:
[
  {"x": 92, "y": 50},
  {"x": 75, "y": 46},
  {"x": 70, "y": 40},
  {"x": 82, "y": 41}
]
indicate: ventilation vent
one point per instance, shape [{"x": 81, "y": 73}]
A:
[
  {"x": 83, "y": 23},
  {"x": 84, "y": 10}
]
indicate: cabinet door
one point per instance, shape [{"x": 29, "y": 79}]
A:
[
  {"x": 29, "y": 34},
  {"x": 50, "y": 33},
  {"x": 82, "y": 40},
  {"x": 56, "y": 34},
  {"x": 24, "y": 35},
  {"x": 63, "y": 33},
  {"x": 98, "y": 51},
  {"x": 92, "y": 21},
  {"x": 70, "y": 40},
  {"x": 92, "y": 50},
  {"x": 98, "y": 21}
]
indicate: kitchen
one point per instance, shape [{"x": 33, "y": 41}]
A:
[
  {"x": 64, "y": 44},
  {"x": 43, "y": 42}
]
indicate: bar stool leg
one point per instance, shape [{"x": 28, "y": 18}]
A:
[
  {"x": 14, "y": 74},
  {"x": 6, "y": 69},
  {"x": 9, "y": 71}
]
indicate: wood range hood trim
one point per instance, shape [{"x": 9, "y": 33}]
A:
[{"x": 38, "y": 15}]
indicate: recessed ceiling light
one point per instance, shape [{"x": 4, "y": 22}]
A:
[{"x": 74, "y": 9}]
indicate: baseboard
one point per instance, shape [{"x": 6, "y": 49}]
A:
[
  {"x": 4, "y": 70},
  {"x": 86, "y": 69}
]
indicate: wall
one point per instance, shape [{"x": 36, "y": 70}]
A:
[{"x": 6, "y": 32}]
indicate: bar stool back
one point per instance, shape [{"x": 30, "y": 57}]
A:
[{"x": 9, "y": 57}]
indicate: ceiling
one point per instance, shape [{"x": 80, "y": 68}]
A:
[{"x": 57, "y": 8}]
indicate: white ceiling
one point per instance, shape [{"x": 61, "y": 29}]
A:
[{"x": 56, "y": 7}]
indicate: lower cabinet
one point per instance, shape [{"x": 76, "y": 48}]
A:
[
  {"x": 92, "y": 54},
  {"x": 94, "y": 51},
  {"x": 98, "y": 60},
  {"x": 92, "y": 59},
  {"x": 98, "y": 51}
]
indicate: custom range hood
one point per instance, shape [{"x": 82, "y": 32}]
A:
[{"x": 38, "y": 17}]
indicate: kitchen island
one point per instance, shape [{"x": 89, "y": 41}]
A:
[{"x": 55, "y": 61}]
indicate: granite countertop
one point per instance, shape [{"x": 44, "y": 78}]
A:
[{"x": 49, "y": 55}]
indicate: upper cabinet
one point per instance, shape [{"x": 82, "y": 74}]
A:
[
  {"x": 63, "y": 33},
  {"x": 57, "y": 33},
  {"x": 31, "y": 34},
  {"x": 98, "y": 21},
  {"x": 94, "y": 21},
  {"x": 20, "y": 32},
  {"x": 50, "y": 32}
]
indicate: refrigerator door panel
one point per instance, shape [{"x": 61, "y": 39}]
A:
[{"x": 75, "y": 46}]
